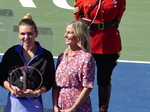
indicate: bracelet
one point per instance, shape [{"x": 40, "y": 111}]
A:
[{"x": 38, "y": 93}]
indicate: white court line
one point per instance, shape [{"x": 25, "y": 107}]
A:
[
  {"x": 62, "y": 4},
  {"x": 126, "y": 61},
  {"x": 27, "y": 3}
]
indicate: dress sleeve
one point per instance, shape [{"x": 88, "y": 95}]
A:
[{"x": 88, "y": 72}]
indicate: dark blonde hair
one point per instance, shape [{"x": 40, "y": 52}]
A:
[
  {"x": 81, "y": 31},
  {"x": 27, "y": 20}
]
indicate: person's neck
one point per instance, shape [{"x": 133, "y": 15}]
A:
[
  {"x": 72, "y": 51},
  {"x": 31, "y": 48}
]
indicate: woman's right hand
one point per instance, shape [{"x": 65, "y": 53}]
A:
[
  {"x": 56, "y": 109},
  {"x": 14, "y": 90}
]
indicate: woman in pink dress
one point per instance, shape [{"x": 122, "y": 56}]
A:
[{"x": 75, "y": 72}]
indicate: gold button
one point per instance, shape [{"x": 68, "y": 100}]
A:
[
  {"x": 102, "y": 19},
  {"x": 103, "y": 11},
  {"x": 115, "y": 5},
  {"x": 117, "y": 33}
]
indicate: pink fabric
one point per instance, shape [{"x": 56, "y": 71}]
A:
[{"x": 72, "y": 76}]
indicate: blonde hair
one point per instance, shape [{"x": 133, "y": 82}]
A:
[
  {"x": 27, "y": 20},
  {"x": 27, "y": 16},
  {"x": 81, "y": 31}
]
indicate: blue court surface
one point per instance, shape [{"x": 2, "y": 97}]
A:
[{"x": 130, "y": 89}]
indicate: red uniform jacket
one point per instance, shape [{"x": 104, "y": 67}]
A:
[{"x": 106, "y": 41}]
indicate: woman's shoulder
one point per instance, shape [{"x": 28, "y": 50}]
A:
[
  {"x": 12, "y": 48},
  {"x": 84, "y": 53},
  {"x": 60, "y": 56},
  {"x": 46, "y": 51}
]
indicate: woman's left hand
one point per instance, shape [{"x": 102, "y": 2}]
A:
[
  {"x": 67, "y": 110},
  {"x": 27, "y": 93}
]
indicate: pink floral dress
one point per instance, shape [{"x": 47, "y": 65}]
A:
[{"x": 72, "y": 75}]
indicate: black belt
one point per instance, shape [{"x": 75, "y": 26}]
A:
[{"x": 102, "y": 25}]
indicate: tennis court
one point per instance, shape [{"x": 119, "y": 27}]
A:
[{"x": 130, "y": 89}]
